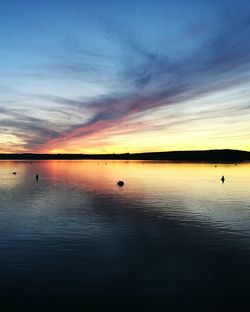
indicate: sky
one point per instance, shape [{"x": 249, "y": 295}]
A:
[{"x": 117, "y": 76}]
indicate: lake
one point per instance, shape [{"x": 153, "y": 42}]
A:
[{"x": 173, "y": 238}]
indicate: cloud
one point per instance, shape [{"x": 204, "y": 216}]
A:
[
  {"x": 32, "y": 131},
  {"x": 218, "y": 64},
  {"x": 147, "y": 78}
]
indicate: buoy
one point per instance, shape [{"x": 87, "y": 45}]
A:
[
  {"x": 223, "y": 179},
  {"x": 14, "y": 172},
  {"x": 37, "y": 176},
  {"x": 120, "y": 183}
]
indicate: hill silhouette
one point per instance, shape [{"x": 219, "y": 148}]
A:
[{"x": 225, "y": 155}]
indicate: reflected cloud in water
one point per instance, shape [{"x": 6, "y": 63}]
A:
[{"x": 170, "y": 229}]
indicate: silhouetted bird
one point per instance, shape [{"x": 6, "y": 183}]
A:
[
  {"x": 223, "y": 179},
  {"x": 14, "y": 172},
  {"x": 120, "y": 183},
  {"x": 37, "y": 176}
]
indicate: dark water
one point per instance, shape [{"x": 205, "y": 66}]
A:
[{"x": 174, "y": 238}]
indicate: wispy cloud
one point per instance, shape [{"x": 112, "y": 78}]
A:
[
  {"x": 140, "y": 77},
  {"x": 219, "y": 63}
]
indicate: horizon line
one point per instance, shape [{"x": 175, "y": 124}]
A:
[{"x": 223, "y": 155}]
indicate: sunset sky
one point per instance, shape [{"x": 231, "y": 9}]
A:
[{"x": 120, "y": 76}]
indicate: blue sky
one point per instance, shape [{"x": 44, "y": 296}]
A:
[{"x": 119, "y": 76}]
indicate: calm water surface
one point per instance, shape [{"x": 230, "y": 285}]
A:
[{"x": 174, "y": 238}]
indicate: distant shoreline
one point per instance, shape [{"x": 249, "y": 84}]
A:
[{"x": 225, "y": 155}]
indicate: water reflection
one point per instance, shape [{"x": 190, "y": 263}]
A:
[
  {"x": 177, "y": 190},
  {"x": 173, "y": 230}
]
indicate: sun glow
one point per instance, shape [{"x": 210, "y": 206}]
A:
[{"x": 10, "y": 143}]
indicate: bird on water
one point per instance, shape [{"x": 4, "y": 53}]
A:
[
  {"x": 223, "y": 179},
  {"x": 37, "y": 176}
]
